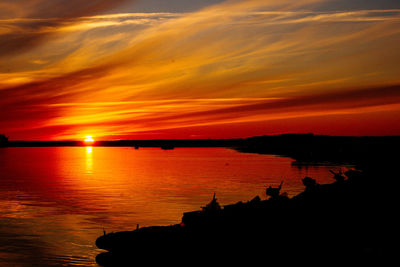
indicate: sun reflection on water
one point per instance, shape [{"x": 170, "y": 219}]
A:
[
  {"x": 89, "y": 159},
  {"x": 67, "y": 195}
]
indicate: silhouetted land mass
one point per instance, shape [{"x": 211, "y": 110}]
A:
[
  {"x": 348, "y": 221},
  {"x": 342, "y": 221},
  {"x": 3, "y": 140},
  {"x": 167, "y": 143},
  {"x": 305, "y": 148},
  {"x": 316, "y": 149}
]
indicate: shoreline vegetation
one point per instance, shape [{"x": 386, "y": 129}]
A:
[{"x": 348, "y": 220}]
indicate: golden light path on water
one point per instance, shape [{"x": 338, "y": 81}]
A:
[
  {"x": 89, "y": 159},
  {"x": 56, "y": 201}
]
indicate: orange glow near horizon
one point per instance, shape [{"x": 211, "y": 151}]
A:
[{"x": 267, "y": 67}]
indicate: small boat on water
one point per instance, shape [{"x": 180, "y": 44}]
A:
[{"x": 167, "y": 147}]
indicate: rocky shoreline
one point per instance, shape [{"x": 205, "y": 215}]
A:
[{"x": 344, "y": 220}]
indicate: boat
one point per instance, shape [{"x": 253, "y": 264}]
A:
[{"x": 167, "y": 147}]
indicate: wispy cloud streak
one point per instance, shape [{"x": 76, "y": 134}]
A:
[
  {"x": 25, "y": 24},
  {"x": 239, "y": 61}
]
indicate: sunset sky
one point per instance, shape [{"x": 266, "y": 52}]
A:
[{"x": 146, "y": 69}]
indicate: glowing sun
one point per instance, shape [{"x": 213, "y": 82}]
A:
[{"x": 89, "y": 140}]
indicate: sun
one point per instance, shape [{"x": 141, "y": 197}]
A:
[{"x": 89, "y": 140}]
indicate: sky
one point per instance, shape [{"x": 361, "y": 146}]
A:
[{"x": 151, "y": 69}]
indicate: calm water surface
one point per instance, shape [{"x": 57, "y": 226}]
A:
[{"x": 54, "y": 202}]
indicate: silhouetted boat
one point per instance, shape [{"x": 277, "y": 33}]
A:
[{"x": 167, "y": 147}]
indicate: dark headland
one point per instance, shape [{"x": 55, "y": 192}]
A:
[
  {"x": 348, "y": 221},
  {"x": 304, "y": 147}
]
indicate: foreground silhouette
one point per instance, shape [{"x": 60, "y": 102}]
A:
[
  {"x": 3, "y": 140},
  {"x": 341, "y": 221}
]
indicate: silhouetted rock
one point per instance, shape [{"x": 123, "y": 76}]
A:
[
  {"x": 255, "y": 201},
  {"x": 213, "y": 206},
  {"x": 338, "y": 176},
  {"x": 274, "y": 192},
  {"x": 337, "y": 221},
  {"x": 310, "y": 183}
]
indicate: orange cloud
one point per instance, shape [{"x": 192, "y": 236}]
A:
[{"x": 233, "y": 63}]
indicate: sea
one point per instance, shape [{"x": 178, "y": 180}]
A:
[{"x": 55, "y": 201}]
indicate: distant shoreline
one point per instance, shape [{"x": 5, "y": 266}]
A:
[
  {"x": 205, "y": 142},
  {"x": 133, "y": 143},
  {"x": 303, "y": 148}
]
